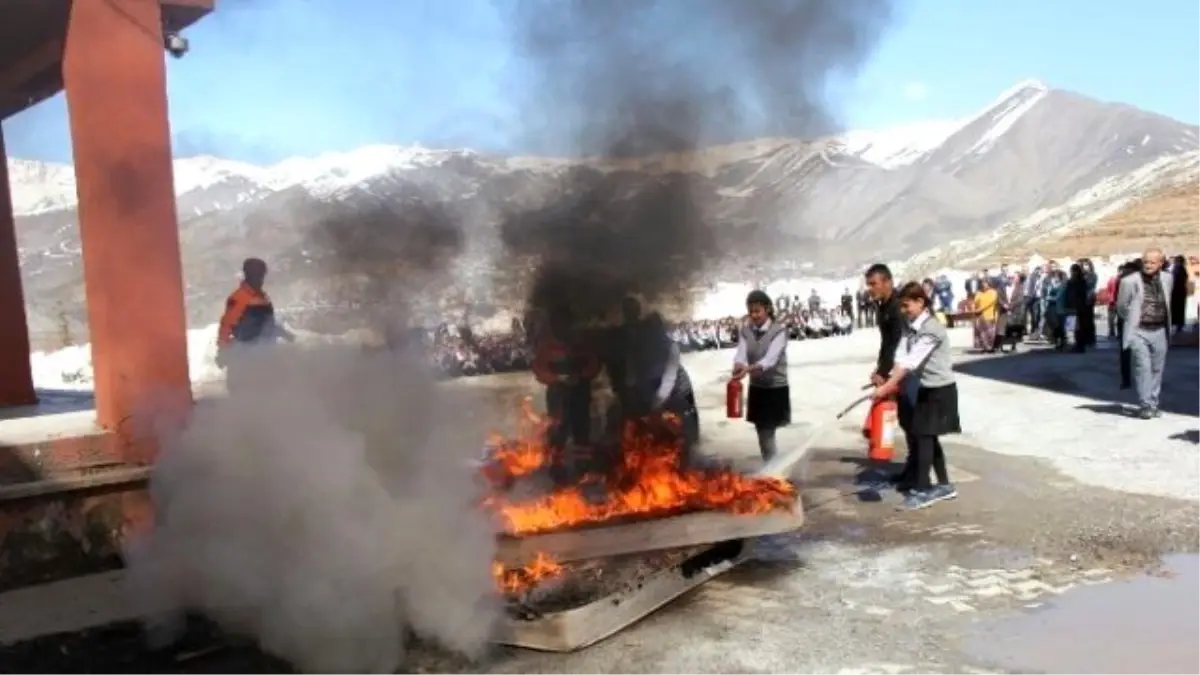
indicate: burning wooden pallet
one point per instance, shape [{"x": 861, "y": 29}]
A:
[{"x": 573, "y": 586}]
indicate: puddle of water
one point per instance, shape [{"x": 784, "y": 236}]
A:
[{"x": 1147, "y": 624}]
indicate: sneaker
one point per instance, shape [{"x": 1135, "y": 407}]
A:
[
  {"x": 943, "y": 492},
  {"x": 917, "y": 499},
  {"x": 1156, "y": 412},
  {"x": 1145, "y": 413}
]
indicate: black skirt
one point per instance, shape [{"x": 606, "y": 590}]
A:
[
  {"x": 936, "y": 411},
  {"x": 769, "y": 406}
]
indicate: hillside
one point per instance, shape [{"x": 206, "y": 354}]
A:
[
  {"x": 1168, "y": 218},
  {"x": 362, "y": 224}
]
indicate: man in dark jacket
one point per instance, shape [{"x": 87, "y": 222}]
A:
[
  {"x": 249, "y": 319},
  {"x": 888, "y": 317},
  {"x": 847, "y": 302},
  {"x": 891, "y": 330},
  {"x": 866, "y": 309}
]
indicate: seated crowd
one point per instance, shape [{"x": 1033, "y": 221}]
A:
[{"x": 454, "y": 351}]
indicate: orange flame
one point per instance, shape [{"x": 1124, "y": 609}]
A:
[
  {"x": 512, "y": 580},
  {"x": 648, "y": 480},
  {"x": 522, "y": 455}
]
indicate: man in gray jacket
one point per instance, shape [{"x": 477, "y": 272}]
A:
[{"x": 1143, "y": 303}]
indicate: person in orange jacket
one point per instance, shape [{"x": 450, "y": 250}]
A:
[
  {"x": 249, "y": 316},
  {"x": 566, "y": 365}
]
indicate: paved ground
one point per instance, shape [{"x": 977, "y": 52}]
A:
[{"x": 1061, "y": 500}]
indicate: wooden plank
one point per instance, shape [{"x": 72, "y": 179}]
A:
[
  {"x": 651, "y": 534},
  {"x": 690, "y": 529},
  {"x": 584, "y": 626}
]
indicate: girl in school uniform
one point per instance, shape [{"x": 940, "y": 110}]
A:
[
  {"x": 762, "y": 356},
  {"x": 924, "y": 371}
]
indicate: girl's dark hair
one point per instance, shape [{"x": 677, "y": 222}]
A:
[
  {"x": 757, "y": 297},
  {"x": 913, "y": 291}
]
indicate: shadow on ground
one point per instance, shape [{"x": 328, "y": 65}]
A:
[
  {"x": 1093, "y": 375},
  {"x": 52, "y": 402},
  {"x": 1191, "y": 436}
]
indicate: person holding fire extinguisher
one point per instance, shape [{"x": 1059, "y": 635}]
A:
[
  {"x": 890, "y": 321},
  {"x": 923, "y": 363},
  {"x": 762, "y": 355}
]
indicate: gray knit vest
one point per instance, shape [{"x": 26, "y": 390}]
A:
[
  {"x": 756, "y": 349},
  {"x": 938, "y": 370}
]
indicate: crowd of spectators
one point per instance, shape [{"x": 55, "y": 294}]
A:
[{"x": 455, "y": 351}]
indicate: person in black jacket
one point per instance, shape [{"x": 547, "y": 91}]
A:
[
  {"x": 1085, "y": 314},
  {"x": 1179, "y": 293},
  {"x": 1077, "y": 294},
  {"x": 866, "y": 309},
  {"x": 891, "y": 322}
]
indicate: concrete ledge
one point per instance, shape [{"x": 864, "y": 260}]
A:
[
  {"x": 32, "y": 448},
  {"x": 133, "y": 477}
]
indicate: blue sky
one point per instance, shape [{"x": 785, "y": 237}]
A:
[{"x": 267, "y": 79}]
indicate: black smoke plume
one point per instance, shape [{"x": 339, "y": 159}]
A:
[
  {"x": 643, "y": 87},
  {"x": 384, "y": 265}
]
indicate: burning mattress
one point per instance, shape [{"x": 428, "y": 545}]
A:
[{"x": 582, "y": 554}]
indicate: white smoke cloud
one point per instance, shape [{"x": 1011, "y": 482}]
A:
[{"x": 325, "y": 509}]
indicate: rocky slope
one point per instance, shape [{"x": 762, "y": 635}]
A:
[{"x": 1156, "y": 205}]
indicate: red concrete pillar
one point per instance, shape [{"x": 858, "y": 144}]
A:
[
  {"x": 16, "y": 378},
  {"x": 115, "y": 81}
]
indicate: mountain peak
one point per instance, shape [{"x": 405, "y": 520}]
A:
[{"x": 1031, "y": 85}]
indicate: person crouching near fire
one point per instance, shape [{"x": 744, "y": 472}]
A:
[
  {"x": 762, "y": 354},
  {"x": 566, "y": 366},
  {"x": 923, "y": 371},
  {"x": 248, "y": 319}
]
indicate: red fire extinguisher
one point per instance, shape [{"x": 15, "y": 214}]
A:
[
  {"x": 880, "y": 430},
  {"x": 733, "y": 399}
]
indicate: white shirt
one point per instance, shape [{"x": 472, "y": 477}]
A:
[
  {"x": 914, "y": 349},
  {"x": 774, "y": 350}
]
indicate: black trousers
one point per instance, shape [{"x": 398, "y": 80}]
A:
[
  {"x": 570, "y": 409},
  {"x": 1126, "y": 358},
  {"x": 1033, "y": 307},
  {"x": 928, "y": 455},
  {"x": 924, "y": 453},
  {"x": 1085, "y": 326}
]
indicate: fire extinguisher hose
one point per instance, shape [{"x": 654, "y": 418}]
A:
[{"x": 781, "y": 464}]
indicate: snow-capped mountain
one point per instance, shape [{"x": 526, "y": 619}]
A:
[
  {"x": 207, "y": 183},
  {"x": 837, "y": 201},
  {"x": 42, "y": 186}
]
